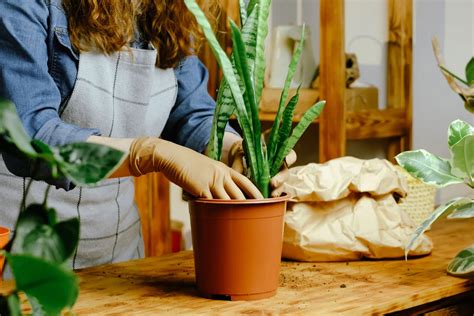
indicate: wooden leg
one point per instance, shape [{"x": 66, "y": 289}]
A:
[
  {"x": 395, "y": 146},
  {"x": 153, "y": 201}
]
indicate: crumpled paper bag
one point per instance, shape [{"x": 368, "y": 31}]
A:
[{"x": 345, "y": 210}]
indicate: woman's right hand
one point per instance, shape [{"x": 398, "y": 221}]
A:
[{"x": 195, "y": 173}]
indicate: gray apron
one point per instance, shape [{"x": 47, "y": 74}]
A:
[{"x": 123, "y": 95}]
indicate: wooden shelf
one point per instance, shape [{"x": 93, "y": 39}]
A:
[
  {"x": 342, "y": 120},
  {"x": 375, "y": 124},
  {"x": 366, "y": 124}
]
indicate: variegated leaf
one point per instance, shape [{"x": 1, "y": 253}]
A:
[
  {"x": 428, "y": 168},
  {"x": 462, "y": 160},
  {"x": 457, "y": 131},
  {"x": 443, "y": 209},
  {"x": 464, "y": 211},
  {"x": 463, "y": 264}
]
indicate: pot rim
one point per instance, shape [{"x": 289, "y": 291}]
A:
[
  {"x": 282, "y": 198},
  {"x": 4, "y": 231}
]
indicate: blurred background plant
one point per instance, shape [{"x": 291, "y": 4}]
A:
[
  {"x": 466, "y": 90},
  {"x": 41, "y": 246}
]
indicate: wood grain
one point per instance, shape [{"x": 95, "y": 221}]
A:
[
  {"x": 332, "y": 136},
  {"x": 400, "y": 67},
  {"x": 153, "y": 201},
  {"x": 375, "y": 124},
  {"x": 166, "y": 284}
]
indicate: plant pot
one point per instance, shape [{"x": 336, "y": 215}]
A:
[
  {"x": 4, "y": 237},
  {"x": 237, "y": 246}
]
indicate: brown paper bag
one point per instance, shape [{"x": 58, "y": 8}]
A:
[{"x": 346, "y": 209}]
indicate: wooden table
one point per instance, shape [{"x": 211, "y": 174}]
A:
[{"x": 166, "y": 284}]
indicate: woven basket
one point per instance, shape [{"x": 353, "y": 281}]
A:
[{"x": 420, "y": 200}]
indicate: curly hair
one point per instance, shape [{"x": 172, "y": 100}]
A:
[{"x": 108, "y": 26}]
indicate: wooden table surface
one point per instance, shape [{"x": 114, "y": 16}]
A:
[{"x": 166, "y": 284}]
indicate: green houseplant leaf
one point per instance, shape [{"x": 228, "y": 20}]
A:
[
  {"x": 83, "y": 163},
  {"x": 453, "y": 75},
  {"x": 227, "y": 69},
  {"x": 427, "y": 167},
  {"x": 470, "y": 72},
  {"x": 53, "y": 286},
  {"x": 308, "y": 117},
  {"x": 53, "y": 243},
  {"x": 273, "y": 146},
  {"x": 251, "y": 5},
  {"x": 12, "y": 129},
  {"x": 287, "y": 120},
  {"x": 243, "y": 12},
  {"x": 69, "y": 232},
  {"x": 30, "y": 219},
  {"x": 443, "y": 209},
  {"x": 465, "y": 211},
  {"x": 240, "y": 57},
  {"x": 225, "y": 105},
  {"x": 260, "y": 64},
  {"x": 10, "y": 305},
  {"x": 87, "y": 163},
  {"x": 457, "y": 131},
  {"x": 43, "y": 242},
  {"x": 463, "y": 264},
  {"x": 463, "y": 158},
  {"x": 38, "y": 234}
]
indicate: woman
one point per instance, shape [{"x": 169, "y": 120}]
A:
[{"x": 112, "y": 72}]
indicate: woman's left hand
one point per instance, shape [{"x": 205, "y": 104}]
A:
[{"x": 236, "y": 161}]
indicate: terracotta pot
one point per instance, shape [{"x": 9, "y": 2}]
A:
[
  {"x": 237, "y": 246},
  {"x": 4, "y": 235}
]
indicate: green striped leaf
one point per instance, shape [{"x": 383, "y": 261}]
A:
[
  {"x": 260, "y": 64},
  {"x": 462, "y": 160},
  {"x": 272, "y": 145},
  {"x": 243, "y": 12},
  {"x": 228, "y": 70},
  {"x": 287, "y": 120},
  {"x": 428, "y": 168},
  {"x": 251, "y": 6},
  {"x": 457, "y": 131},
  {"x": 241, "y": 64},
  {"x": 310, "y": 115},
  {"x": 463, "y": 264},
  {"x": 443, "y": 209},
  {"x": 225, "y": 105}
]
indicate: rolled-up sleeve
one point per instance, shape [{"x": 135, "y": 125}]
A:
[
  {"x": 190, "y": 121},
  {"x": 25, "y": 77}
]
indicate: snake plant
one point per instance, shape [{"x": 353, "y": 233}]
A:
[
  {"x": 441, "y": 172},
  {"x": 241, "y": 90}
]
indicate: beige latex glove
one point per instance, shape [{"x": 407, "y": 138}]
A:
[
  {"x": 236, "y": 161},
  {"x": 195, "y": 173}
]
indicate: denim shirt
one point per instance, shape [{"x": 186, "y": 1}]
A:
[{"x": 38, "y": 69}]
